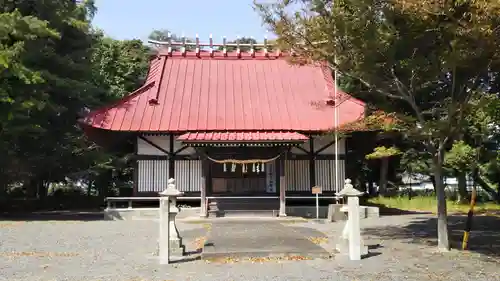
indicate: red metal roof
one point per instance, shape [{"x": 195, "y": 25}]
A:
[
  {"x": 243, "y": 136},
  {"x": 185, "y": 93}
]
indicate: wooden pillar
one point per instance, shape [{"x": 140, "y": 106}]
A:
[
  {"x": 171, "y": 158},
  {"x": 312, "y": 164},
  {"x": 282, "y": 185},
  {"x": 135, "y": 179},
  {"x": 384, "y": 170},
  {"x": 203, "y": 189}
]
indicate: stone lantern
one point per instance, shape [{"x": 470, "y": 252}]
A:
[
  {"x": 351, "y": 242},
  {"x": 170, "y": 241}
]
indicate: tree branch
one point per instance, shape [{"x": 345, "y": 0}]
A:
[{"x": 367, "y": 84}]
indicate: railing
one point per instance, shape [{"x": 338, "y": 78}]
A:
[
  {"x": 111, "y": 201},
  {"x": 338, "y": 199},
  {"x": 244, "y": 197}
]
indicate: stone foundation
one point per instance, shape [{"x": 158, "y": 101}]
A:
[
  {"x": 145, "y": 213},
  {"x": 331, "y": 213}
]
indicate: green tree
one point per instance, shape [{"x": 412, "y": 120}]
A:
[
  {"x": 483, "y": 133},
  {"x": 45, "y": 46},
  {"x": 429, "y": 57},
  {"x": 119, "y": 66},
  {"x": 53, "y": 67}
]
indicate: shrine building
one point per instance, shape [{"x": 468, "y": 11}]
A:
[{"x": 232, "y": 123}]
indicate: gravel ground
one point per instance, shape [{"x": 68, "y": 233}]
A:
[{"x": 123, "y": 251}]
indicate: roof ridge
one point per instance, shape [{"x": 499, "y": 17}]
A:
[
  {"x": 206, "y": 54},
  {"x": 159, "y": 78}
]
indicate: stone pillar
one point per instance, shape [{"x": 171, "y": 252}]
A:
[
  {"x": 282, "y": 212},
  {"x": 163, "y": 243},
  {"x": 170, "y": 241},
  {"x": 350, "y": 241}
]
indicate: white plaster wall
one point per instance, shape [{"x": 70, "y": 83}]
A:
[
  {"x": 144, "y": 148},
  {"x": 297, "y": 175},
  {"x": 152, "y": 175},
  {"x": 320, "y": 142}
]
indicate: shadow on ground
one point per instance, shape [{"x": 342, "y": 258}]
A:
[
  {"x": 94, "y": 215},
  {"x": 484, "y": 237},
  {"x": 386, "y": 211}
]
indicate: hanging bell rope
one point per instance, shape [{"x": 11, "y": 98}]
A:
[{"x": 249, "y": 161}]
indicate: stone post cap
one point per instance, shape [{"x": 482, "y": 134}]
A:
[
  {"x": 171, "y": 190},
  {"x": 349, "y": 190}
]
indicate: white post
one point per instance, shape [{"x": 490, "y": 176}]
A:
[
  {"x": 164, "y": 241},
  {"x": 336, "y": 125},
  {"x": 317, "y": 206}
]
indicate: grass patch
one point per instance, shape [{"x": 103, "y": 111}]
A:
[{"x": 429, "y": 204}]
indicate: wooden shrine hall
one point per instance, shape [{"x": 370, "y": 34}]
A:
[{"x": 239, "y": 123}]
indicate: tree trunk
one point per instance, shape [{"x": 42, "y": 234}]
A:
[
  {"x": 498, "y": 192},
  {"x": 384, "y": 169},
  {"x": 442, "y": 223},
  {"x": 371, "y": 188},
  {"x": 486, "y": 187},
  {"x": 462, "y": 187},
  {"x": 41, "y": 190},
  {"x": 433, "y": 180},
  {"x": 3, "y": 188},
  {"x": 90, "y": 184},
  {"x": 30, "y": 188}
]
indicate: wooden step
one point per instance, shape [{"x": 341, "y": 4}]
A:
[{"x": 245, "y": 213}]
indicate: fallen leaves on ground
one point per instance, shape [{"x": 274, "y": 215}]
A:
[
  {"x": 258, "y": 259},
  {"x": 37, "y": 254},
  {"x": 438, "y": 276},
  {"x": 207, "y": 226},
  {"x": 318, "y": 240},
  {"x": 200, "y": 242},
  {"x": 9, "y": 224}
]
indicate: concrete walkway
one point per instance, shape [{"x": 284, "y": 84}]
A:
[{"x": 260, "y": 238}]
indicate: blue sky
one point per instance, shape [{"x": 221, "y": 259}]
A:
[{"x": 127, "y": 19}]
